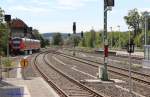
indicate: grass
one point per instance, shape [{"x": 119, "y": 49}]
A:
[{"x": 136, "y": 66}]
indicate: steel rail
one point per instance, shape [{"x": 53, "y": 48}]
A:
[
  {"x": 94, "y": 93},
  {"x": 45, "y": 77},
  {"x": 123, "y": 69},
  {"x": 134, "y": 57}
]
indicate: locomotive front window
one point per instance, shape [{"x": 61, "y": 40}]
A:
[{"x": 16, "y": 41}]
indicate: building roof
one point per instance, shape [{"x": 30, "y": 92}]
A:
[{"x": 18, "y": 23}]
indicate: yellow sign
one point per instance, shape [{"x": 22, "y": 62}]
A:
[{"x": 24, "y": 63}]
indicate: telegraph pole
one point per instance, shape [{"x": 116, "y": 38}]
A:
[{"x": 107, "y": 6}]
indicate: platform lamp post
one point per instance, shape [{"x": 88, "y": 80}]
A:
[
  {"x": 8, "y": 19},
  {"x": 130, "y": 49},
  {"x": 74, "y": 34},
  {"x": 108, "y": 4}
]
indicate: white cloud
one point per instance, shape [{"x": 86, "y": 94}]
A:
[
  {"x": 40, "y": 2},
  {"x": 10, "y": 1},
  {"x": 144, "y": 9},
  {"x": 72, "y": 4},
  {"x": 29, "y": 9}
]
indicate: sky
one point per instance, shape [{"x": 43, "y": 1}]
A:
[{"x": 59, "y": 15}]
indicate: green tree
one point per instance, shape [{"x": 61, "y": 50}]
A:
[
  {"x": 133, "y": 19},
  {"x": 3, "y": 33},
  {"x": 37, "y": 35},
  {"x": 1, "y": 15},
  {"x": 76, "y": 40},
  {"x": 57, "y": 39}
]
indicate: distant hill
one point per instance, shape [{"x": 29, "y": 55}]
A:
[{"x": 49, "y": 35}]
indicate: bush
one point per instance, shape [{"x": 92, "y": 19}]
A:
[{"x": 7, "y": 62}]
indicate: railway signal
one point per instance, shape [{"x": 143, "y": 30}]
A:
[
  {"x": 110, "y": 3},
  {"x": 107, "y": 6},
  {"x": 74, "y": 27},
  {"x": 74, "y": 33},
  {"x": 82, "y": 35},
  {"x": 7, "y": 18},
  {"x": 69, "y": 35},
  {"x": 130, "y": 46},
  {"x": 25, "y": 31},
  {"x": 30, "y": 28}
]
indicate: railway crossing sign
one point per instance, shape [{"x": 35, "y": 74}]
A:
[{"x": 24, "y": 63}]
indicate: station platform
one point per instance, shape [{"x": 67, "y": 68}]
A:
[
  {"x": 33, "y": 87},
  {"x": 135, "y": 54},
  {"x": 29, "y": 87}
]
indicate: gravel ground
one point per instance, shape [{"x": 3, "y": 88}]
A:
[
  {"x": 136, "y": 87},
  {"x": 69, "y": 88},
  {"x": 108, "y": 89},
  {"x": 99, "y": 58}
]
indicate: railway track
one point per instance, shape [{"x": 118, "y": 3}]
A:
[
  {"x": 64, "y": 85},
  {"x": 137, "y": 76},
  {"x": 133, "y": 57},
  {"x": 113, "y": 58}
]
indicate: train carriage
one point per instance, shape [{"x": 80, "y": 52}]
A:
[{"x": 19, "y": 45}]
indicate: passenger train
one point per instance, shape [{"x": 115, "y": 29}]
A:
[{"x": 19, "y": 45}]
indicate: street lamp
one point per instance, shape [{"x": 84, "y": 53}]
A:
[
  {"x": 108, "y": 4},
  {"x": 130, "y": 49}
]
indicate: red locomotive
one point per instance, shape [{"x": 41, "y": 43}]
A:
[{"x": 24, "y": 44}]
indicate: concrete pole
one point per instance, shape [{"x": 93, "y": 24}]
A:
[
  {"x": 104, "y": 75},
  {"x": 111, "y": 37}
]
